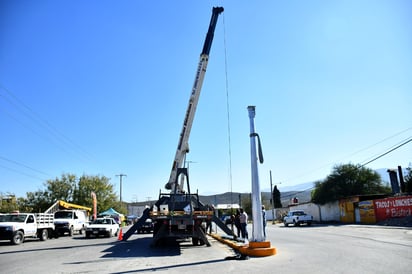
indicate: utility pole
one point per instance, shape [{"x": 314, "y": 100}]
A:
[
  {"x": 121, "y": 176},
  {"x": 272, "y": 198}
]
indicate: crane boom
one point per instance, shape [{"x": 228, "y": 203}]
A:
[{"x": 183, "y": 146}]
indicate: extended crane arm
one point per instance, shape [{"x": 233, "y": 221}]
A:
[{"x": 183, "y": 146}]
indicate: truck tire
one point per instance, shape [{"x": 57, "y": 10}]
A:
[
  {"x": 43, "y": 234},
  {"x": 81, "y": 230},
  {"x": 18, "y": 238}
]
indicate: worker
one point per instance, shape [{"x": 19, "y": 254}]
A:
[
  {"x": 243, "y": 224},
  {"x": 264, "y": 220}
]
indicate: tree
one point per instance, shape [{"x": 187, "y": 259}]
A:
[
  {"x": 348, "y": 180},
  {"x": 61, "y": 189},
  {"x": 105, "y": 195},
  {"x": 276, "y": 197},
  {"x": 74, "y": 190},
  {"x": 8, "y": 203},
  {"x": 408, "y": 180},
  {"x": 35, "y": 202}
]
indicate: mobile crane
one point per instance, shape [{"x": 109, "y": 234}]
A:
[{"x": 179, "y": 214}]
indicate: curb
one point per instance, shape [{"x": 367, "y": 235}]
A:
[{"x": 253, "y": 249}]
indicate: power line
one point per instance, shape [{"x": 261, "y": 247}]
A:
[
  {"x": 33, "y": 116},
  {"x": 23, "y": 165},
  {"x": 389, "y": 151},
  {"x": 358, "y": 151},
  {"x": 22, "y": 173}
]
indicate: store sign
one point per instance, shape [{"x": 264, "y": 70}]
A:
[{"x": 395, "y": 207}]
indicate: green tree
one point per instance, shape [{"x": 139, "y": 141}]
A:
[
  {"x": 408, "y": 180},
  {"x": 348, "y": 180},
  {"x": 8, "y": 203},
  {"x": 104, "y": 191},
  {"x": 35, "y": 202},
  {"x": 61, "y": 188},
  {"x": 276, "y": 197},
  {"x": 74, "y": 190}
]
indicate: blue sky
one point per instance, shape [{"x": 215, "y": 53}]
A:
[{"x": 101, "y": 88}]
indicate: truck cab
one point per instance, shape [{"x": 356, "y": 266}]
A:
[
  {"x": 70, "y": 221},
  {"x": 16, "y": 227}
]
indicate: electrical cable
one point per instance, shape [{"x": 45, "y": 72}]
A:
[
  {"x": 23, "y": 165},
  {"x": 33, "y": 116},
  {"x": 358, "y": 151},
  {"x": 387, "y": 152}
]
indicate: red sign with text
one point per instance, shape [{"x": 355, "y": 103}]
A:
[{"x": 396, "y": 207}]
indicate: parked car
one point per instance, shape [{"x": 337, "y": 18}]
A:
[
  {"x": 297, "y": 217},
  {"x": 107, "y": 227},
  {"x": 147, "y": 227}
]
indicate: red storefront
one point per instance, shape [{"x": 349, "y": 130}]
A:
[{"x": 394, "y": 207}]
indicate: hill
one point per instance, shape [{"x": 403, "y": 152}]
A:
[{"x": 236, "y": 197}]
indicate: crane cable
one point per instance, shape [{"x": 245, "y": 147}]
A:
[{"x": 227, "y": 108}]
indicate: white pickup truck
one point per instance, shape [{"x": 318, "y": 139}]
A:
[
  {"x": 16, "y": 227},
  {"x": 297, "y": 217}
]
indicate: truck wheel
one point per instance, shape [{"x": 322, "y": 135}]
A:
[
  {"x": 71, "y": 231},
  {"x": 81, "y": 230},
  {"x": 43, "y": 235},
  {"x": 18, "y": 238}
]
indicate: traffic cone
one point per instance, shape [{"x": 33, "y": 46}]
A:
[{"x": 120, "y": 238}]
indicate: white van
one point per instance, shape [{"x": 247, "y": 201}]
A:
[{"x": 70, "y": 221}]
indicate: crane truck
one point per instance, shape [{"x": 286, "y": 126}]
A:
[{"x": 179, "y": 214}]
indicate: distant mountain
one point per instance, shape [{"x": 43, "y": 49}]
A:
[
  {"x": 299, "y": 187},
  {"x": 236, "y": 197}
]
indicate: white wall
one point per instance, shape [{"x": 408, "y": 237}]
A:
[
  {"x": 321, "y": 213},
  {"x": 330, "y": 212}
]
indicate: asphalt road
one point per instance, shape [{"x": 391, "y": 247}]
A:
[{"x": 315, "y": 249}]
